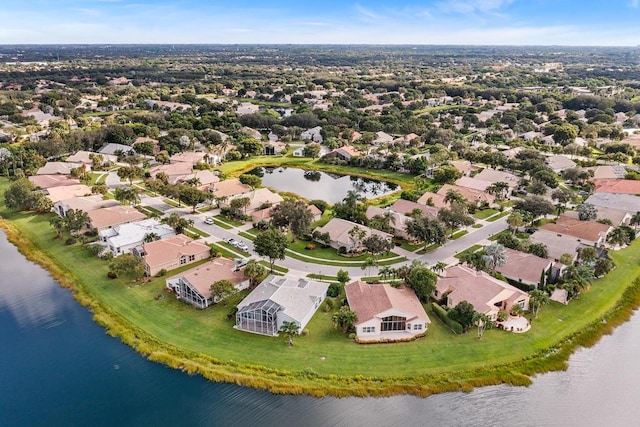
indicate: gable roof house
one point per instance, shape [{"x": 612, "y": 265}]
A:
[
  {"x": 228, "y": 188},
  {"x": 472, "y": 183},
  {"x": 338, "y": 230},
  {"x": 618, "y": 186},
  {"x": 124, "y": 238},
  {"x": 590, "y": 233},
  {"x": 172, "y": 252},
  {"x": 492, "y": 176},
  {"x": 313, "y": 135},
  {"x": 191, "y": 157},
  {"x": 524, "y": 268},
  {"x": 343, "y": 153},
  {"x": 113, "y": 148},
  {"x": 557, "y": 244},
  {"x": 471, "y": 195},
  {"x": 194, "y": 285},
  {"x": 278, "y": 299},
  {"x": 49, "y": 181},
  {"x": 629, "y": 203},
  {"x": 560, "y": 163},
  {"x": 382, "y": 138},
  {"x": 173, "y": 170},
  {"x": 257, "y": 198},
  {"x": 55, "y": 194},
  {"x": 487, "y": 294},
  {"x": 386, "y": 313},
  {"x": 108, "y": 217},
  {"x": 406, "y": 207},
  {"x": 56, "y": 168},
  {"x": 85, "y": 204}
]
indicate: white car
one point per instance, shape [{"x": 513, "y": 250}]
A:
[
  {"x": 242, "y": 246},
  {"x": 208, "y": 220}
]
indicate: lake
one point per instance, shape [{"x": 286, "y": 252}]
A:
[
  {"x": 329, "y": 187},
  {"x": 59, "y": 368}
]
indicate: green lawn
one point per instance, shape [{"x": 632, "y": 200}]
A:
[
  {"x": 182, "y": 336},
  {"x": 497, "y": 217},
  {"x": 459, "y": 234},
  {"x": 232, "y": 222},
  {"x": 221, "y": 224},
  {"x": 485, "y": 213},
  {"x": 171, "y": 202},
  {"x": 223, "y": 250},
  {"x": 470, "y": 249}
]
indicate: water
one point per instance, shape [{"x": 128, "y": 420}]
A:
[
  {"x": 58, "y": 368},
  {"x": 312, "y": 185}
]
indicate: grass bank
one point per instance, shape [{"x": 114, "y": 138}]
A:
[{"x": 324, "y": 362}]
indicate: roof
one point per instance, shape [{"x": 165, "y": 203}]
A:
[
  {"x": 206, "y": 177},
  {"x": 111, "y": 148},
  {"x": 492, "y": 176},
  {"x": 557, "y": 244},
  {"x": 261, "y": 196},
  {"x": 115, "y": 215},
  {"x": 166, "y": 250},
  {"x": 471, "y": 195},
  {"x": 476, "y": 287},
  {"x": 55, "y": 194},
  {"x": 89, "y": 203},
  {"x": 48, "y": 181},
  {"x": 463, "y": 166},
  {"x": 437, "y": 200},
  {"x": 203, "y": 276},
  {"x": 473, "y": 183},
  {"x": 135, "y": 232},
  {"x": 229, "y": 187},
  {"x": 626, "y": 202},
  {"x": 188, "y": 157},
  {"x": 584, "y": 230},
  {"x": 296, "y": 298},
  {"x": 339, "y": 228},
  {"x": 85, "y": 157},
  {"x": 369, "y": 301},
  {"x": 172, "y": 169},
  {"x": 560, "y": 163},
  {"x": 617, "y": 217},
  {"x": 56, "y": 168},
  {"x": 608, "y": 172},
  {"x": 523, "y": 266},
  {"x": 405, "y": 207},
  {"x": 620, "y": 186}
]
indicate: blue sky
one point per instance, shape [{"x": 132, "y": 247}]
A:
[{"x": 503, "y": 22}]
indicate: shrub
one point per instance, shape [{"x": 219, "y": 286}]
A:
[
  {"x": 310, "y": 247},
  {"x": 70, "y": 241},
  {"x": 342, "y": 250},
  {"x": 442, "y": 314},
  {"x": 334, "y": 290},
  {"x": 162, "y": 272},
  {"x": 111, "y": 275},
  {"x": 305, "y": 332},
  {"x": 352, "y": 336}
]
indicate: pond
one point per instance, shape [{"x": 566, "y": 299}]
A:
[{"x": 311, "y": 185}]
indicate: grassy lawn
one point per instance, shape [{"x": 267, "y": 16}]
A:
[
  {"x": 223, "y": 250},
  {"x": 470, "y": 249},
  {"x": 276, "y": 268},
  {"x": 226, "y": 220},
  {"x": 152, "y": 210},
  {"x": 110, "y": 113},
  {"x": 249, "y": 234},
  {"x": 198, "y": 232},
  {"x": 497, "y": 235},
  {"x": 171, "y": 203},
  {"x": 221, "y": 224},
  {"x": 233, "y": 248},
  {"x": 459, "y": 234},
  {"x": 182, "y": 336},
  {"x": 476, "y": 226},
  {"x": 485, "y": 213},
  {"x": 411, "y": 247},
  {"x": 497, "y": 217}
]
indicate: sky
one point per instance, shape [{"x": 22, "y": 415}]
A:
[{"x": 464, "y": 22}]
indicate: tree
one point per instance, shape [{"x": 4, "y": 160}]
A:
[
  {"x": 376, "y": 245},
  {"x": 128, "y": 264},
  {"x": 455, "y": 216},
  {"x": 621, "y": 236},
  {"x": 538, "y": 249},
  {"x": 255, "y": 272},
  {"x": 565, "y": 134},
  {"x": 344, "y": 318},
  {"x": 312, "y": 150},
  {"x": 421, "y": 279},
  {"x": 342, "y": 276},
  {"x": 454, "y": 196},
  {"x": 151, "y": 237},
  {"x": 251, "y": 180},
  {"x": 566, "y": 259},
  {"x": 239, "y": 205},
  {"x": 439, "y": 267},
  {"x": 427, "y": 230},
  {"x": 635, "y": 220},
  {"x": 19, "y": 195},
  {"x": 192, "y": 196},
  {"x": 129, "y": 173},
  {"x": 534, "y": 205},
  {"x": 515, "y": 221},
  {"x": 462, "y": 313},
  {"x": 290, "y": 330},
  {"x": 75, "y": 220},
  {"x": 446, "y": 174},
  {"x": 126, "y": 195},
  {"x": 271, "y": 244},
  {"x": 603, "y": 266},
  {"x": 59, "y": 225},
  {"x": 562, "y": 195},
  {"x": 498, "y": 189},
  {"x": 177, "y": 222},
  {"x": 351, "y": 208},
  {"x": 221, "y": 289},
  {"x": 537, "y": 298},
  {"x": 482, "y": 321},
  {"x": 494, "y": 256},
  {"x": 356, "y": 234},
  {"x": 293, "y": 214},
  {"x": 473, "y": 259},
  {"x": 588, "y": 254},
  {"x": 368, "y": 263},
  {"x": 577, "y": 278},
  {"x": 587, "y": 212}
]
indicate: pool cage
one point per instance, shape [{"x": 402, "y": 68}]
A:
[{"x": 260, "y": 317}]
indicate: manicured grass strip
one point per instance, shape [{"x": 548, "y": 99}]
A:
[
  {"x": 471, "y": 249},
  {"x": 233, "y": 249},
  {"x": 322, "y": 277},
  {"x": 459, "y": 234},
  {"x": 153, "y": 210},
  {"x": 223, "y": 250},
  {"x": 411, "y": 247},
  {"x": 485, "y": 213},
  {"x": 497, "y": 217},
  {"x": 247, "y": 235},
  {"x": 497, "y": 235},
  {"x": 221, "y": 224},
  {"x": 276, "y": 267},
  {"x": 476, "y": 226},
  {"x": 171, "y": 202},
  {"x": 198, "y": 232},
  {"x": 226, "y": 220},
  {"x": 428, "y": 249}
]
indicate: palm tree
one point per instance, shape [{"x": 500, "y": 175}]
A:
[
  {"x": 385, "y": 272},
  {"x": 618, "y": 237},
  {"x": 538, "y": 298},
  {"x": 439, "y": 267},
  {"x": 151, "y": 237},
  {"x": 577, "y": 278},
  {"x": 635, "y": 220},
  {"x": 454, "y": 196},
  {"x": 368, "y": 263},
  {"x": 515, "y": 221},
  {"x": 58, "y": 224},
  {"x": 494, "y": 256},
  {"x": 482, "y": 321},
  {"x": 290, "y": 329}
]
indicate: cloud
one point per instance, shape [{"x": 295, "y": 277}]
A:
[
  {"x": 474, "y": 6},
  {"x": 365, "y": 13},
  {"x": 634, "y": 3}
]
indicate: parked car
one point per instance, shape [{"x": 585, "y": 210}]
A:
[
  {"x": 530, "y": 230},
  {"x": 240, "y": 262},
  {"x": 242, "y": 246},
  {"x": 232, "y": 242},
  {"x": 208, "y": 220}
]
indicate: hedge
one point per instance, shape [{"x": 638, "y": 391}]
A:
[{"x": 452, "y": 324}]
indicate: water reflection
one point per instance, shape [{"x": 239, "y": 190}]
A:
[{"x": 329, "y": 187}]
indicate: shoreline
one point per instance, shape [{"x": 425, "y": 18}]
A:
[{"x": 278, "y": 381}]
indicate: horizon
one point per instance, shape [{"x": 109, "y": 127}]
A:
[{"x": 566, "y": 23}]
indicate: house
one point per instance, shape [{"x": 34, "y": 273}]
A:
[
  {"x": 190, "y": 157},
  {"x": 108, "y": 217},
  {"x": 477, "y": 197},
  {"x": 624, "y": 202},
  {"x": 273, "y": 148},
  {"x": 245, "y": 130},
  {"x": 55, "y": 194},
  {"x": 339, "y": 237},
  {"x": 172, "y": 252},
  {"x": 85, "y": 204},
  {"x": 258, "y": 199},
  {"x": 205, "y": 178},
  {"x": 465, "y": 167},
  {"x": 56, "y": 168},
  {"x": 143, "y": 139},
  {"x": 560, "y": 163},
  {"x": 382, "y": 138},
  {"x": 434, "y": 200},
  {"x": 618, "y": 186},
  {"x": 124, "y": 238},
  {"x": 557, "y": 244},
  {"x": 194, "y": 285},
  {"x": 113, "y": 149},
  {"x": 172, "y": 170},
  {"x": 617, "y": 217},
  {"x": 407, "y": 207},
  {"x": 313, "y": 135},
  {"x": 524, "y": 268},
  {"x": 492, "y": 176},
  {"x": 345, "y": 153},
  {"x": 487, "y": 294},
  {"x": 85, "y": 157},
  {"x": 590, "y": 233},
  {"x": 265, "y": 214},
  {"x": 472, "y": 183},
  {"x": 247, "y": 108},
  {"x": 386, "y": 313},
  {"x": 278, "y": 299},
  {"x": 49, "y": 181},
  {"x": 228, "y": 188},
  {"x": 608, "y": 172}
]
